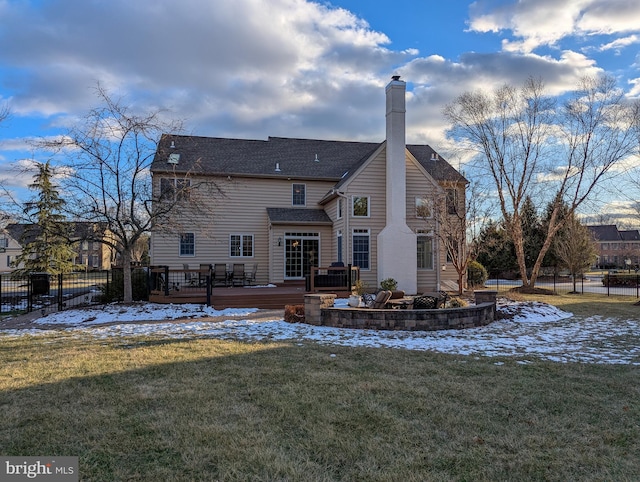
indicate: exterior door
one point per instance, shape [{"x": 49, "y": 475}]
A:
[{"x": 301, "y": 254}]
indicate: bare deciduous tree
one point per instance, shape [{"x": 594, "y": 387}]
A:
[
  {"x": 107, "y": 159},
  {"x": 531, "y": 146}
]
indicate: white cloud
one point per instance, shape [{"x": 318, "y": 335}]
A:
[
  {"x": 620, "y": 43},
  {"x": 536, "y": 23}
]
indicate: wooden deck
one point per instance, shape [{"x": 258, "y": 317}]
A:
[{"x": 239, "y": 297}]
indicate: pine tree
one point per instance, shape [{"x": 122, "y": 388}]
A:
[{"x": 45, "y": 242}]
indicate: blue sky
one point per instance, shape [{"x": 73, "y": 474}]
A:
[{"x": 294, "y": 68}]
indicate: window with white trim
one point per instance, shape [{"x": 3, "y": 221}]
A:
[
  {"x": 298, "y": 194},
  {"x": 187, "y": 244},
  {"x": 241, "y": 245},
  {"x": 425, "y": 251},
  {"x": 339, "y": 214},
  {"x": 424, "y": 208},
  {"x": 360, "y": 206},
  {"x": 361, "y": 243}
]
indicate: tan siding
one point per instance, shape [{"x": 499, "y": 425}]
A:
[
  {"x": 242, "y": 211},
  {"x": 371, "y": 181}
]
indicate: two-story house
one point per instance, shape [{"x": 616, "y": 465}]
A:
[
  {"x": 86, "y": 239},
  {"x": 290, "y": 204}
]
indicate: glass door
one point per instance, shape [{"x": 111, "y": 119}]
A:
[{"x": 301, "y": 254}]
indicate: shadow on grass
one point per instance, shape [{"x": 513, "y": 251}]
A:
[{"x": 208, "y": 409}]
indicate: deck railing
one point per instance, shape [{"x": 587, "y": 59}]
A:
[{"x": 334, "y": 278}]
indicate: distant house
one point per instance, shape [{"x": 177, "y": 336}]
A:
[
  {"x": 91, "y": 253},
  {"x": 291, "y": 204},
  {"x": 616, "y": 248}
]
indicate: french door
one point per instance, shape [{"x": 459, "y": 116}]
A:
[{"x": 301, "y": 253}]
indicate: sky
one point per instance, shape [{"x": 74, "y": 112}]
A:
[
  {"x": 293, "y": 68},
  {"x": 528, "y": 332}
]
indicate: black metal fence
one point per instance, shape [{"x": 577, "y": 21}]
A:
[
  {"x": 608, "y": 283},
  {"x": 45, "y": 292}
]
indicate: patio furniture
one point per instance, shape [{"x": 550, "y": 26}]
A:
[
  {"x": 237, "y": 275},
  {"x": 220, "y": 276},
  {"x": 205, "y": 269},
  {"x": 190, "y": 278},
  {"x": 380, "y": 300},
  {"x": 250, "y": 277}
]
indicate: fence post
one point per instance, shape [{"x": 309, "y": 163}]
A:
[
  {"x": 60, "y": 297},
  {"x": 209, "y": 288},
  {"x": 166, "y": 280},
  {"x": 608, "y": 282},
  {"x": 0, "y": 293},
  {"x": 29, "y": 290}
]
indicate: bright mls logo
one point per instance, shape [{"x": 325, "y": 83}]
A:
[{"x": 50, "y": 469}]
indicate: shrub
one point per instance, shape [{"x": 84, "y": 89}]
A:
[
  {"x": 456, "y": 303},
  {"x": 294, "y": 313},
  {"x": 114, "y": 290},
  {"x": 389, "y": 284},
  {"x": 476, "y": 274}
]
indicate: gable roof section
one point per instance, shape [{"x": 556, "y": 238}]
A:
[
  {"x": 294, "y": 157},
  {"x": 630, "y": 235},
  {"x": 82, "y": 230},
  {"x": 298, "y": 216},
  {"x": 608, "y": 232}
]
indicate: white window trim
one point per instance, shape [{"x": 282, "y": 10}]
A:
[
  {"x": 180, "y": 244},
  {"x": 428, "y": 234},
  {"x": 419, "y": 201},
  {"x": 361, "y": 232},
  {"x": 293, "y": 194},
  {"x": 353, "y": 198},
  {"x": 242, "y": 236}
]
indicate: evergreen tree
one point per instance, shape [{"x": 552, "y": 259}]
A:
[
  {"x": 575, "y": 248},
  {"x": 45, "y": 242},
  {"x": 495, "y": 250}
]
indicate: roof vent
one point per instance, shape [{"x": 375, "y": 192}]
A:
[
  {"x": 316, "y": 159},
  {"x": 277, "y": 167},
  {"x": 173, "y": 144},
  {"x": 434, "y": 156},
  {"x": 173, "y": 158}
]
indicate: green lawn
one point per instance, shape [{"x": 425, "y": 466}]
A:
[{"x": 149, "y": 409}]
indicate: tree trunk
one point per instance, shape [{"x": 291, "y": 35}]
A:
[{"x": 126, "y": 276}]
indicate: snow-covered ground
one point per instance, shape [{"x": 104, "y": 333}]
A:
[{"x": 531, "y": 331}]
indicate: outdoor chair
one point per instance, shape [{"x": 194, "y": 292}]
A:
[
  {"x": 380, "y": 300},
  {"x": 220, "y": 275},
  {"x": 205, "y": 269},
  {"x": 250, "y": 277},
  {"x": 190, "y": 278},
  {"x": 237, "y": 275}
]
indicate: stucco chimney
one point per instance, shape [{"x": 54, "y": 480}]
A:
[{"x": 397, "y": 242}]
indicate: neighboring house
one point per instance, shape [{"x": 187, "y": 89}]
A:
[
  {"x": 90, "y": 252},
  {"x": 616, "y": 248},
  {"x": 290, "y": 204}
]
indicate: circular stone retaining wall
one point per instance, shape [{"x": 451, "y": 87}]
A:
[{"x": 319, "y": 311}]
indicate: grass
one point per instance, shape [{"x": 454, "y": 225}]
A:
[{"x": 204, "y": 409}]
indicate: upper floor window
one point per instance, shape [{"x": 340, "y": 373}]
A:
[
  {"x": 452, "y": 201},
  {"x": 241, "y": 245},
  {"x": 360, "y": 206},
  {"x": 4, "y": 242},
  {"x": 187, "y": 244},
  {"x": 298, "y": 194},
  {"x": 174, "y": 189},
  {"x": 339, "y": 209},
  {"x": 423, "y": 208}
]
